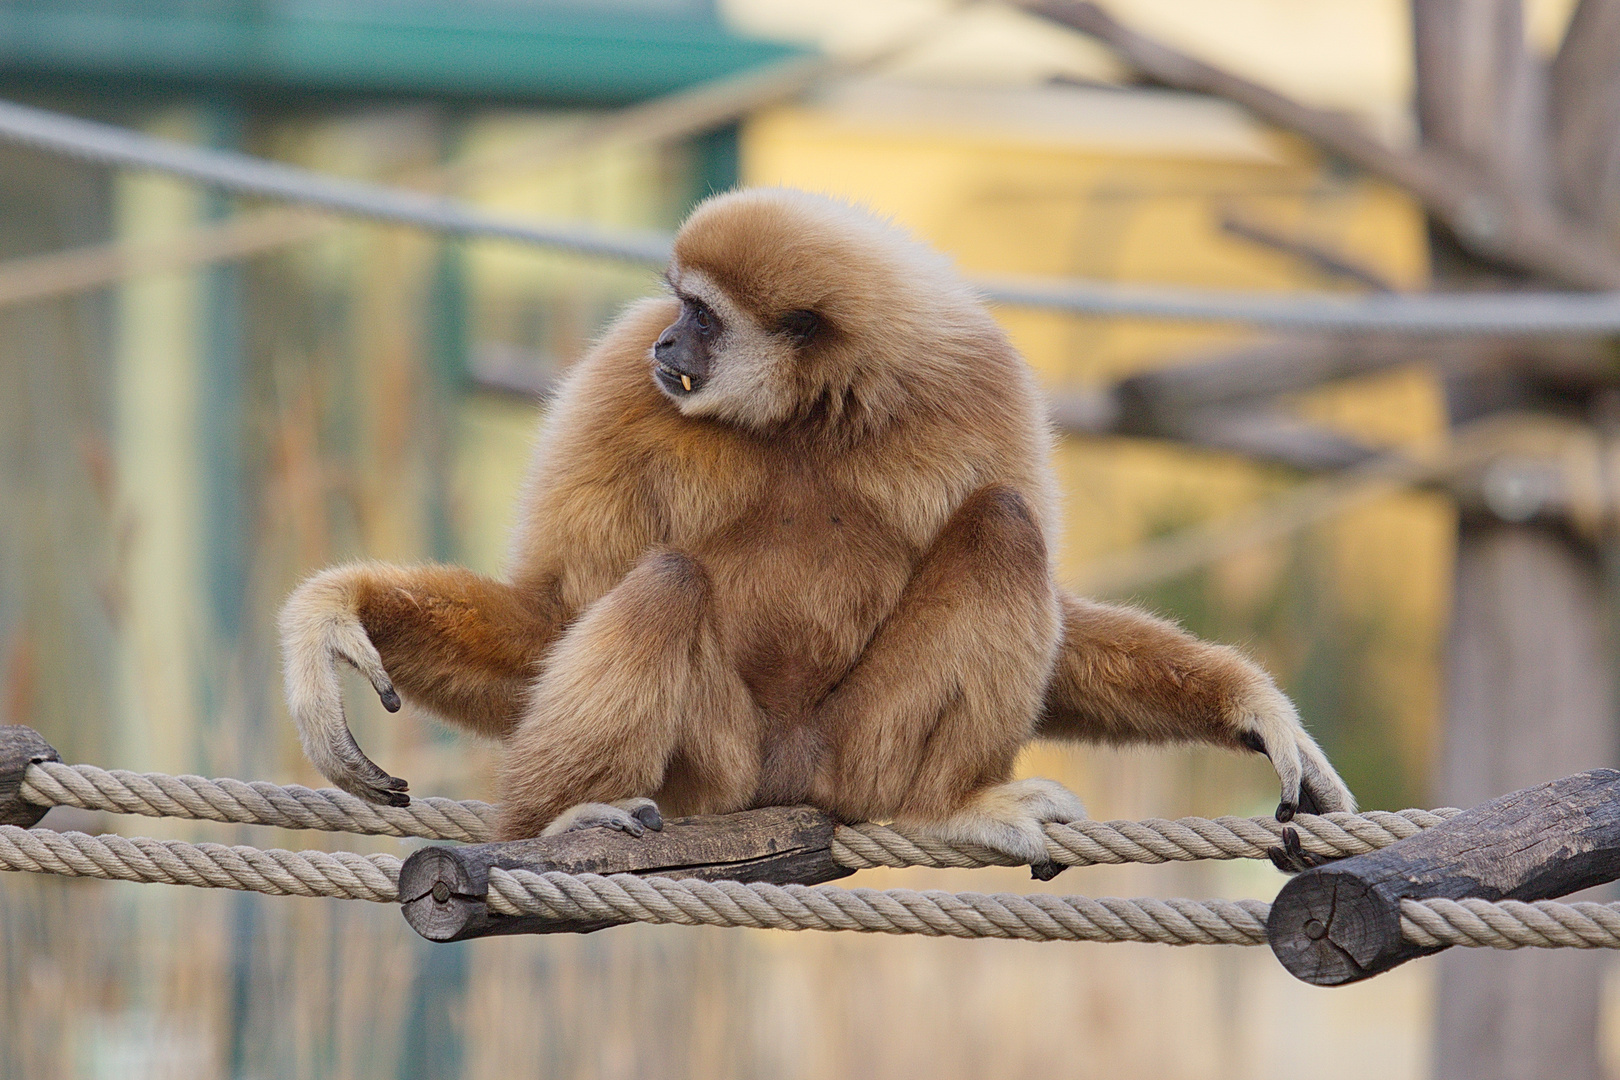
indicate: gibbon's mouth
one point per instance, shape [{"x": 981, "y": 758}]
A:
[{"x": 677, "y": 383}]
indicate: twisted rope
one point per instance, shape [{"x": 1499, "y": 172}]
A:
[
  {"x": 1080, "y": 843},
  {"x": 1155, "y": 840},
  {"x": 347, "y": 875},
  {"x": 341, "y": 874},
  {"x": 1511, "y": 924},
  {"x": 888, "y": 911},
  {"x": 53, "y": 783}
]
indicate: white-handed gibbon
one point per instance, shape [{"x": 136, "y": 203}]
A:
[{"x": 785, "y": 539}]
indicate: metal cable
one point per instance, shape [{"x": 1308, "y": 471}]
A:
[{"x": 1484, "y": 313}]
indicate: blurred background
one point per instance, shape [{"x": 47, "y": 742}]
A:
[{"x": 204, "y": 398}]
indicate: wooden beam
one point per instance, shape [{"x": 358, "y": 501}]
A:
[
  {"x": 20, "y": 747},
  {"x": 1341, "y": 923},
  {"x": 442, "y": 890},
  {"x": 1584, "y": 100},
  {"x": 1496, "y": 225}
]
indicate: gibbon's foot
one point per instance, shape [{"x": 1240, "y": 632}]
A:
[
  {"x": 363, "y": 777},
  {"x": 1010, "y": 818},
  {"x": 1268, "y": 724},
  {"x": 634, "y": 816},
  {"x": 319, "y": 628},
  {"x": 1292, "y": 858}
]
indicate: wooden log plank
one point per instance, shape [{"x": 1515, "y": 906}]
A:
[
  {"x": 1341, "y": 923},
  {"x": 442, "y": 889},
  {"x": 20, "y": 747}
]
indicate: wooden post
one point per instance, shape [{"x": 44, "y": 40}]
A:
[
  {"x": 442, "y": 889},
  {"x": 1341, "y": 923},
  {"x": 20, "y": 747},
  {"x": 1530, "y": 689}
]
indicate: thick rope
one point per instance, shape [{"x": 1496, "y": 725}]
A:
[
  {"x": 889, "y": 911},
  {"x": 1155, "y": 840},
  {"x": 1080, "y": 843},
  {"x": 341, "y": 874},
  {"x": 1511, "y": 924},
  {"x": 1039, "y": 917},
  {"x": 53, "y": 783}
]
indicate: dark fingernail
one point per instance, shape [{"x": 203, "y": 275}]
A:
[
  {"x": 390, "y": 699},
  {"x": 650, "y": 817},
  {"x": 394, "y": 783},
  {"x": 1286, "y": 810},
  {"x": 1045, "y": 871},
  {"x": 398, "y": 798}
]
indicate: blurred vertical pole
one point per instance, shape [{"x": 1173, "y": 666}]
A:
[
  {"x": 225, "y": 702},
  {"x": 1530, "y": 698},
  {"x": 1531, "y": 677},
  {"x": 220, "y": 434},
  {"x": 156, "y": 387},
  {"x": 435, "y": 1023}
]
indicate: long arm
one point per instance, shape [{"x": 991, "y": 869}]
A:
[
  {"x": 1123, "y": 676},
  {"x": 465, "y": 646}
]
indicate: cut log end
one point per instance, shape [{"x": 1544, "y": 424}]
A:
[
  {"x": 20, "y": 747},
  {"x": 1341, "y": 923},
  {"x": 1327, "y": 929}
]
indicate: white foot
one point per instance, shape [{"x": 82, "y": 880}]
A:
[
  {"x": 634, "y": 816},
  {"x": 1009, "y": 817}
]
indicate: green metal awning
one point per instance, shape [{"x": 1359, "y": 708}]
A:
[{"x": 609, "y": 53}]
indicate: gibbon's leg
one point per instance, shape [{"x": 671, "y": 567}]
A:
[
  {"x": 462, "y": 645},
  {"x": 926, "y": 727},
  {"x": 636, "y": 699},
  {"x": 1123, "y": 676}
]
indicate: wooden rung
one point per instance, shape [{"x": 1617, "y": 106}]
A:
[{"x": 442, "y": 889}]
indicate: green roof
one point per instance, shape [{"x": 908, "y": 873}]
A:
[{"x": 603, "y": 54}]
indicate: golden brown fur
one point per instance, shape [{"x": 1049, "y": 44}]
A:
[{"x": 820, "y": 574}]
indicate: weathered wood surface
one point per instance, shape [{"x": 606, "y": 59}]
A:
[
  {"x": 1530, "y": 698},
  {"x": 1341, "y": 923},
  {"x": 442, "y": 889},
  {"x": 20, "y": 747}
]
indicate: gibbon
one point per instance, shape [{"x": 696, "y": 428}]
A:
[{"x": 785, "y": 539}]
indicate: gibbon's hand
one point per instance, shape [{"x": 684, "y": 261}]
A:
[
  {"x": 1268, "y": 724},
  {"x": 319, "y": 628}
]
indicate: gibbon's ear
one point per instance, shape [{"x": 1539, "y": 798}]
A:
[{"x": 800, "y": 326}]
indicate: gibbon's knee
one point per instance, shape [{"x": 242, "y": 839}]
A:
[
  {"x": 994, "y": 532},
  {"x": 946, "y": 694},
  {"x": 619, "y": 699}
]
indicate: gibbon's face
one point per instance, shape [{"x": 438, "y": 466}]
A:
[{"x": 717, "y": 360}]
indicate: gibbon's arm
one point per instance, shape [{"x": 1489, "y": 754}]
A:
[
  {"x": 465, "y": 646},
  {"x": 1123, "y": 676}
]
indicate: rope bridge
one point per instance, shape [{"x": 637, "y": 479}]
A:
[{"x": 567, "y": 897}]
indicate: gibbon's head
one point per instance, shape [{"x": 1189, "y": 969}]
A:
[{"x": 798, "y": 308}]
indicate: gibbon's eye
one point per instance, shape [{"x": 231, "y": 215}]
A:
[
  {"x": 706, "y": 322},
  {"x": 800, "y": 326}
]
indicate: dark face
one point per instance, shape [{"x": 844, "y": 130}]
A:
[{"x": 682, "y": 353}]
